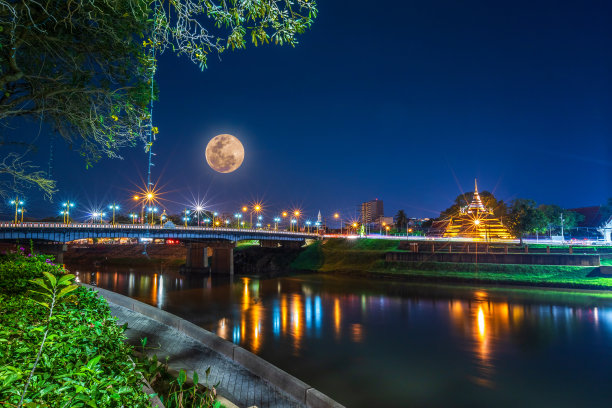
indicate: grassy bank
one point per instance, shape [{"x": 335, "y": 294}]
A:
[{"x": 366, "y": 257}]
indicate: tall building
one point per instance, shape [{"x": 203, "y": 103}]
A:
[{"x": 371, "y": 211}]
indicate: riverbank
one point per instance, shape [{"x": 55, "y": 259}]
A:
[{"x": 366, "y": 258}]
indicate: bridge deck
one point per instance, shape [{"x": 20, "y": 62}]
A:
[{"x": 58, "y": 232}]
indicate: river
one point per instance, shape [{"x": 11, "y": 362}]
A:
[{"x": 370, "y": 343}]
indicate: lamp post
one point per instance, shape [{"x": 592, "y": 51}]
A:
[
  {"x": 276, "y": 221},
  {"x": 67, "y": 206},
  {"x": 238, "y": 216},
  {"x": 256, "y": 210},
  {"x": 297, "y": 213},
  {"x": 337, "y": 216},
  {"x": 198, "y": 209},
  {"x": 163, "y": 217},
  {"x": 22, "y": 210},
  {"x": 206, "y": 221},
  {"x": 185, "y": 216},
  {"x": 16, "y": 202},
  {"x": 259, "y": 220},
  {"x": 284, "y": 215},
  {"x": 308, "y": 226},
  {"x": 152, "y": 211},
  {"x": 113, "y": 207},
  {"x": 133, "y": 216},
  {"x": 215, "y": 223},
  {"x": 293, "y": 221}
]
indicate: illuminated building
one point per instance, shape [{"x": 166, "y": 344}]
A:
[
  {"x": 477, "y": 222},
  {"x": 371, "y": 211}
]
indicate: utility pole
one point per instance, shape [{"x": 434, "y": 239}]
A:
[{"x": 562, "y": 236}]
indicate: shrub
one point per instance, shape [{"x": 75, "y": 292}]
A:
[{"x": 17, "y": 270}]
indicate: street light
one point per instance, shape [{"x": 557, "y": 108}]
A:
[
  {"x": 67, "y": 206},
  {"x": 308, "y": 225},
  {"x": 206, "y": 221},
  {"x": 152, "y": 211},
  {"x": 16, "y": 202},
  {"x": 198, "y": 209},
  {"x": 22, "y": 210},
  {"x": 337, "y": 216},
  {"x": 185, "y": 216},
  {"x": 133, "y": 216},
  {"x": 276, "y": 221},
  {"x": 113, "y": 207},
  {"x": 297, "y": 222},
  {"x": 238, "y": 216},
  {"x": 215, "y": 222}
]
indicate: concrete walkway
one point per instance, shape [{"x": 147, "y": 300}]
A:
[{"x": 235, "y": 383}]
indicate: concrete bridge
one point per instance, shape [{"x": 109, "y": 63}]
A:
[{"x": 201, "y": 242}]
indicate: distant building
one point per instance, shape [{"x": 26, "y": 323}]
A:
[
  {"x": 371, "y": 211},
  {"x": 595, "y": 221}
]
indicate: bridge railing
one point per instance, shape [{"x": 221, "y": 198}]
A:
[{"x": 149, "y": 227}]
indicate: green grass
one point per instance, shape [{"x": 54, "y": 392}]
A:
[{"x": 367, "y": 257}]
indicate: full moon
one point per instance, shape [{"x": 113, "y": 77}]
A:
[{"x": 224, "y": 153}]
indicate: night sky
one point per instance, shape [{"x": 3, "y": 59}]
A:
[{"x": 407, "y": 103}]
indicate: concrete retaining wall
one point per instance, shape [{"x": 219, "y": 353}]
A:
[
  {"x": 256, "y": 365},
  {"x": 516, "y": 259}
]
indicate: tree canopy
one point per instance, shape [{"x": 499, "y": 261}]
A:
[{"x": 85, "y": 68}]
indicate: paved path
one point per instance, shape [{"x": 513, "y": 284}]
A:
[{"x": 235, "y": 382}]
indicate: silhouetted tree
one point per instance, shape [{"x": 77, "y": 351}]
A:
[{"x": 401, "y": 221}]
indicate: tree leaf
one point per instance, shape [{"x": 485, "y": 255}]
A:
[{"x": 51, "y": 278}]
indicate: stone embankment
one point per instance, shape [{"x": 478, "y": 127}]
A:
[{"x": 243, "y": 377}]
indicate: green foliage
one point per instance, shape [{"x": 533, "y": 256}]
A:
[
  {"x": 538, "y": 275},
  {"x": 60, "y": 347},
  {"x": 85, "y": 67},
  {"x": 524, "y": 217},
  {"x": 401, "y": 220},
  {"x": 79, "y": 67},
  {"x": 310, "y": 259},
  {"x": 176, "y": 391},
  {"x": 17, "y": 269}
]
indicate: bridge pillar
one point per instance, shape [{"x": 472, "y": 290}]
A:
[
  {"x": 197, "y": 256},
  {"x": 57, "y": 250},
  {"x": 266, "y": 243},
  {"x": 223, "y": 261}
]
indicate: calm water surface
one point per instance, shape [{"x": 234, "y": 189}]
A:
[{"x": 368, "y": 343}]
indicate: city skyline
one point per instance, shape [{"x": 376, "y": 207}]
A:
[{"x": 411, "y": 115}]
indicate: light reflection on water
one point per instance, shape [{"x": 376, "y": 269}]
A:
[{"x": 487, "y": 342}]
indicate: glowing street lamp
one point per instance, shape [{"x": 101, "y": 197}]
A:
[
  {"x": 227, "y": 221},
  {"x": 238, "y": 216},
  {"x": 186, "y": 216},
  {"x": 22, "y": 210},
  {"x": 16, "y": 202},
  {"x": 133, "y": 216},
  {"x": 163, "y": 217},
  {"x": 67, "y": 206},
  {"x": 215, "y": 223},
  {"x": 276, "y": 221},
  {"x": 387, "y": 228},
  {"x": 152, "y": 211},
  {"x": 337, "y": 216},
  {"x": 308, "y": 225},
  {"x": 297, "y": 213},
  {"x": 198, "y": 210},
  {"x": 113, "y": 207},
  {"x": 206, "y": 221}
]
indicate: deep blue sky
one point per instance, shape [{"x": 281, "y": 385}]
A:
[{"x": 407, "y": 103}]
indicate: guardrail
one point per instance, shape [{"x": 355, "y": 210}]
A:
[{"x": 151, "y": 227}]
